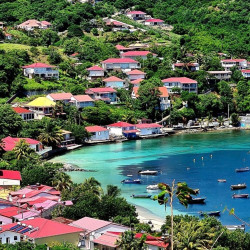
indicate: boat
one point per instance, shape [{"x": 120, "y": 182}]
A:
[
  {"x": 196, "y": 190},
  {"x": 129, "y": 175},
  {"x": 145, "y": 196},
  {"x": 148, "y": 172},
  {"x": 240, "y": 195},
  {"x": 211, "y": 213},
  {"x": 192, "y": 200},
  {"x": 152, "y": 187},
  {"x": 222, "y": 180},
  {"x": 130, "y": 181},
  {"x": 239, "y": 170},
  {"x": 238, "y": 186}
]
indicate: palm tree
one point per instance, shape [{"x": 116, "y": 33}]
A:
[
  {"x": 181, "y": 191},
  {"x": 220, "y": 120},
  {"x": 113, "y": 191},
  {"x": 62, "y": 181},
  {"x": 93, "y": 186},
  {"x": 22, "y": 150}
]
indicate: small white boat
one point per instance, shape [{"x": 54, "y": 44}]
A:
[
  {"x": 152, "y": 187},
  {"x": 222, "y": 180},
  {"x": 148, "y": 172}
]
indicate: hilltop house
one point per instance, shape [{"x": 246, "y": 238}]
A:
[
  {"x": 107, "y": 95},
  {"x": 63, "y": 97},
  {"x": 184, "y": 83},
  {"x": 82, "y": 101},
  {"x": 186, "y": 66},
  {"x": 27, "y": 115},
  {"x": 136, "y": 15},
  {"x": 9, "y": 178},
  {"x": 135, "y": 74},
  {"x": 227, "y": 64},
  {"x": 98, "y": 133},
  {"x": 134, "y": 54},
  {"x": 95, "y": 72},
  {"x": 220, "y": 75},
  {"x": 164, "y": 97},
  {"x": 42, "y": 70},
  {"x": 154, "y": 22},
  {"x": 149, "y": 128},
  {"x": 114, "y": 82},
  {"x": 125, "y": 64},
  {"x": 123, "y": 129},
  {"x": 34, "y": 24},
  {"x": 246, "y": 73}
]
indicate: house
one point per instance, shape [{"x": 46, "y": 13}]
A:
[
  {"x": 34, "y": 24},
  {"x": 184, "y": 83},
  {"x": 149, "y": 128},
  {"x": 186, "y": 66},
  {"x": 114, "y": 82},
  {"x": 122, "y": 49},
  {"x": 60, "y": 97},
  {"x": 138, "y": 46},
  {"x": 136, "y": 15},
  {"x": 154, "y": 22},
  {"x": 82, "y": 101},
  {"x": 39, "y": 231},
  {"x": 7, "y": 214},
  {"x": 8, "y": 36},
  {"x": 125, "y": 64},
  {"x": 118, "y": 26},
  {"x": 123, "y": 129},
  {"x": 41, "y": 70},
  {"x": 10, "y": 143},
  {"x": 220, "y": 75},
  {"x": 107, "y": 241},
  {"x": 95, "y": 72},
  {"x": 9, "y": 178},
  {"x": 136, "y": 83},
  {"x": 93, "y": 229},
  {"x": 135, "y": 75},
  {"x": 227, "y": 64},
  {"x": 164, "y": 97},
  {"x": 68, "y": 139},
  {"x": 27, "y": 115},
  {"x": 134, "y": 54},
  {"x": 41, "y": 106},
  {"x": 107, "y": 95},
  {"x": 246, "y": 73},
  {"x": 98, "y": 133}
]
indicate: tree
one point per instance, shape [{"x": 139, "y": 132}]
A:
[
  {"x": 62, "y": 181},
  {"x": 235, "y": 119},
  {"x": 75, "y": 31},
  {"x": 181, "y": 191},
  {"x": 23, "y": 150},
  {"x": 92, "y": 185},
  {"x": 220, "y": 120},
  {"x": 113, "y": 191}
]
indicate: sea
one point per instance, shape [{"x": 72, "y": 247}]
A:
[{"x": 197, "y": 159}]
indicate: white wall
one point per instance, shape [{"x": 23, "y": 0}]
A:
[
  {"x": 11, "y": 235},
  {"x": 115, "y": 131},
  {"x": 8, "y": 182}
]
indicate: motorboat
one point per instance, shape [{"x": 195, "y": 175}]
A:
[
  {"x": 239, "y": 170},
  {"x": 131, "y": 181},
  {"x": 153, "y": 187},
  {"x": 238, "y": 186},
  {"x": 196, "y": 190},
  {"x": 141, "y": 196},
  {"x": 222, "y": 180},
  {"x": 240, "y": 195},
  {"x": 148, "y": 172},
  {"x": 210, "y": 213},
  {"x": 192, "y": 200}
]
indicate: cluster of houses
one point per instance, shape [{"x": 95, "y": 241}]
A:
[{"x": 26, "y": 215}]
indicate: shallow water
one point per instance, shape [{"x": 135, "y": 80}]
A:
[{"x": 198, "y": 159}]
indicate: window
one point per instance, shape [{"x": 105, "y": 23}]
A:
[
  {"x": 1, "y": 222},
  {"x": 15, "y": 237}
]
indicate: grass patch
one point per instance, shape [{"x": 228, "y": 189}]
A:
[{"x": 32, "y": 85}]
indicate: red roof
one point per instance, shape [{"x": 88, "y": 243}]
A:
[
  {"x": 107, "y": 239},
  {"x": 121, "y": 124},
  {"x": 45, "y": 22},
  {"x": 163, "y": 91},
  {"x": 137, "y": 81},
  {"x": 179, "y": 79},
  {"x": 148, "y": 125},
  {"x": 152, "y": 240},
  {"x": 137, "y": 53},
  {"x": 44, "y": 228},
  {"x": 38, "y": 65},
  {"x": 245, "y": 71},
  {"x": 93, "y": 129},
  {"x": 100, "y": 90},
  {"x": 11, "y": 211},
  {"x": 119, "y": 60},
  {"x": 10, "y": 142},
  {"x": 233, "y": 60},
  {"x": 120, "y": 47},
  {"x": 184, "y": 64},
  {"x": 113, "y": 79},
  {"x": 20, "y": 110},
  {"x": 155, "y": 21},
  {"x": 10, "y": 174},
  {"x": 60, "y": 96},
  {"x": 83, "y": 98},
  {"x": 115, "y": 23},
  {"x": 136, "y": 12},
  {"x": 95, "y": 68},
  {"x": 75, "y": 54},
  {"x": 135, "y": 72}
]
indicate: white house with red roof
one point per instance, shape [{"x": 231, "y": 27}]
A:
[
  {"x": 82, "y": 101},
  {"x": 122, "y": 49},
  {"x": 34, "y": 24},
  {"x": 246, "y": 73},
  {"x": 220, "y": 75},
  {"x": 154, "y": 22},
  {"x": 95, "y": 72},
  {"x": 114, "y": 82},
  {"x": 117, "y": 25},
  {"x": 42, "y": 70},
  {"x": 136, "y": 83},
  {"x": 40, "y": 231},
  {"x": 107, "y": 94},
  {"x": 27, "y": 115},
  {"x": 10, "y": 143},
  {"x": 135, "y": 74},
  {"x": 227, "y": 64},
  {"x": 186, "y": 66},
  {"x": 125, "y": 64},
  {"x": 136, "y": 15},
  {"x": 98, "y": 133},
  {"x": 63, "y": 97},
  {"x": 10, "y": 178},
  {"x": 123, "y": 129},
  {"x": 184, "y": 83},
  {"x": 134, "y": 54},
  {"x": 149, "y": 129}
]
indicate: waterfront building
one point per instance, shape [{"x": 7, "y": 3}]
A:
[
  {"x": 107, "y": 95},
  {"x": 123, "y": 129},
  {"x": 114, "y": 82},
  {"x": 149, "y": 128},
  {"x": 27, "y": 115},
  {"x": 68, "y": 139},
  {"x": 9, "y": 178},
  {"x": 98, "y": 133}
]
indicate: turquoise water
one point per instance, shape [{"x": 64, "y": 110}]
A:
[{"x": 216, "y": 157}]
